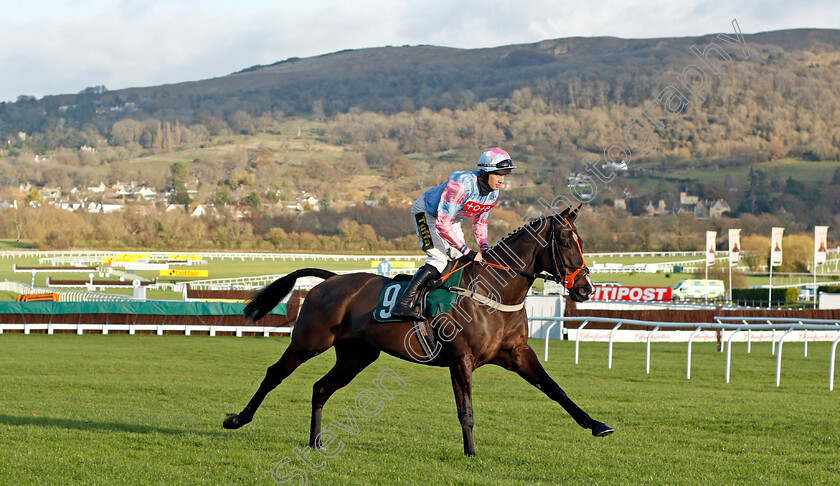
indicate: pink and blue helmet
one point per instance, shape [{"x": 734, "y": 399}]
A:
[{"x": 495, "y": 160}]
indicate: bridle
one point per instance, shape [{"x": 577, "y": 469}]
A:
[{"x": 568, "y": 280}]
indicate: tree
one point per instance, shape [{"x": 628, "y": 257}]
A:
[
  {"x": 125, "y": 132},
  {"x": 253, "y": 199},
  {"x": 757, "y": 199},
  {"x": 222, "y": 197},
  {"x": 34, "y": 198},
  {"x": 178, "y": 173},
  {"x": 180, "y": 197}
]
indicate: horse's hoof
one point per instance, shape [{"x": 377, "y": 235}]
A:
[
  {"x": 602, "y": 430},
  {"x": 232, "y": 422}
]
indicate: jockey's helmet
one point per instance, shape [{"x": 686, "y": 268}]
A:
[{"x": 495, "y": 160}]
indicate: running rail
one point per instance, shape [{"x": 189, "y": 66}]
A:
[{"x": 787, "y": 324}]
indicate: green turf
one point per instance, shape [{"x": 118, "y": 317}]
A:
[{"x": 124, "y": 409}]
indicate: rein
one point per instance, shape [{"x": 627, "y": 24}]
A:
[{"x": 567, "y": 281}]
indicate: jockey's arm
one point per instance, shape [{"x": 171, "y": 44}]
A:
[
  {"x": 480, "y": 230},
  {"x": 444, "y": 226}
]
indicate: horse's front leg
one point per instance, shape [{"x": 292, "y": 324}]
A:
[
  {"x": 461, "y": 374},
  {"x": 525, "y": 362}
]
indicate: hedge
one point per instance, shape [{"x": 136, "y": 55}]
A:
[{"x": 790, "y": 294}]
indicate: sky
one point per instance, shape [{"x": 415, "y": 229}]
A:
[{"x": 63, "y": 46}]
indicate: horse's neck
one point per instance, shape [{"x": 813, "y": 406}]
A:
[{"x": 518, "y": 252}]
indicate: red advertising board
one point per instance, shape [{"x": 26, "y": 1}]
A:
[{"x": 632, "y": 294}]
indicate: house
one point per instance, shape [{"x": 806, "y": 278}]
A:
[
  {"x": 614, "y": 166},
  {"x": 147, "y": 193},
  {"x": 198, "y": 211},
  {"x": 50, "y": 193},
  {"x": 578, "y": 180},
  {"x": 657, "y": 210},
  {"x": 718, "y": 208},
  {"x": 100, "y": 189},
  {"x": 701, "y": 209}
]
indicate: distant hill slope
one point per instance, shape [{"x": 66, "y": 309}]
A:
[{"x": 392, "y": 79}]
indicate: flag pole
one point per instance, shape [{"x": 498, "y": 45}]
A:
[
  {"x": 770, "y": 290},
  {"x": 815, "y": 276},
  {"x": 730, "y": 277}
]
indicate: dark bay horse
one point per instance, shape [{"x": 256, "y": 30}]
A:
[{"x": 339, "y": 313}]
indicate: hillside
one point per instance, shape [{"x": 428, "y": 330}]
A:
[
  {"x": 391, "y": 79},
  {"x": 380, "y": 125}
]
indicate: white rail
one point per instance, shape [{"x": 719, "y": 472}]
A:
[
  {"x": 63, "y": 295},
  {"x": 787, "y": 324},
  {"x": 96, "y": 256},
  {"x": 132, "y": 329}
]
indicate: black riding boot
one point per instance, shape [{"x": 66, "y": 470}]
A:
[{"x": 405, "y": 307}]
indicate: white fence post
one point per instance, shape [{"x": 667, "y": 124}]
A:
[
  {"x": 610, "y": 352},
  {"x": 779, "y": 357},
  {"x": 831, "y": 365},
  {"x": 547, "y": 334},
  {"x": 688, "y": 354},
  {"x": 729, "y": 351},
  {"x": 577, "y": 340},
  {"x": 647, "y": 357}
]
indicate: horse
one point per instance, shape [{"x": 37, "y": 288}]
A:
[{"x": 338, "y": 312}]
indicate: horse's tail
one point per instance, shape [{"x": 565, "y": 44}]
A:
[{"x": 268, "y": 298}]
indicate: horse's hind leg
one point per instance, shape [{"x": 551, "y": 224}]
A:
[
  {"x": 527, "y": 365},
  {"x": 276, "y": 373},
  {"x": 352, "y": 357}
]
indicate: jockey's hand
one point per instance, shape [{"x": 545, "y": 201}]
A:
[{"x": 475, "y": 255}]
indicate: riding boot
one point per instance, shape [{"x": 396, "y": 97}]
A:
[{"x": 405, "y": 307}]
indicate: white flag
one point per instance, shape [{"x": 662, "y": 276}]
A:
[
  {"x": 734, "y": 246},
  {"x": 776, "y": 246},
  {"x": 820, "y": 243},
  {"x": 710, "y": 247}
]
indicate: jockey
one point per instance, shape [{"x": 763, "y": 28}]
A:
[{"x": 439, "y": 212}]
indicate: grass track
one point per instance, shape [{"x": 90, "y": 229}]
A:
[{"x": 147, "y": 410}]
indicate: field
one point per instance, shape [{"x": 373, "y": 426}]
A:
[{"x": 148, "y": 410}]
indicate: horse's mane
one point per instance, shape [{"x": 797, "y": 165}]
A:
[
  {"x": 507, "y": 239},
  {"x": 516, "y": 232}
]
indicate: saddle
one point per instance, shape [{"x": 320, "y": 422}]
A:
[{"x": 432, "y": 301}]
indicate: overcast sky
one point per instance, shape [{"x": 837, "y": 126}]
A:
[{"x": 64, "y": 46}]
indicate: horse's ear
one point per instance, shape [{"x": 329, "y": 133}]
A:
[
  {"x": 565, "y": 213},
  {"x": 575, "y": 213}
]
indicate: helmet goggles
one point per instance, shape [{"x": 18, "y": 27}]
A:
[{"x": 497, "y": 161}]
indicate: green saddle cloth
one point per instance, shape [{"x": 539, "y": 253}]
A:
[{"x": 438, "y": 301}]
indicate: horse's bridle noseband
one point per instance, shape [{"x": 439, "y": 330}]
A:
[{"x": 568, "y": 279}]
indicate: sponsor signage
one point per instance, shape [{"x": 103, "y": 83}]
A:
[
  {"x": 820, "y": 237},
  {"x": 184, "y": 257},
  {"x": 776, "y": 245},
  {"x": 632, "y": 294},
  {"x": 474, "y": 207},
  {"x": 126, "y": 257},
  {"x": 183, "y": 273},
  {"x": 734, "y": 247},
  {"x": 710, "y": 247},
  {"x": 393, "y": 264}
]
